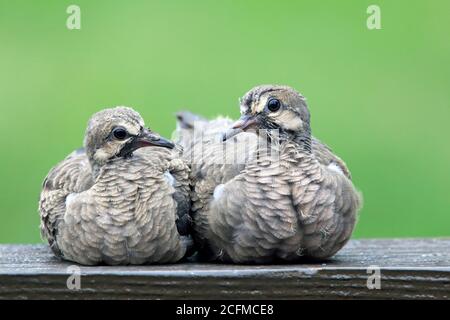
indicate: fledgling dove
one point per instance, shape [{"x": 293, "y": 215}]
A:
[
  {"x": 302, "y": 204},
  {"x": 118, "y": 202}
]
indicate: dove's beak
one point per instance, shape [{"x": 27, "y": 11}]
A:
[
  {"x": 245, "y": 123},
  {"x": 146, "y": 138}
]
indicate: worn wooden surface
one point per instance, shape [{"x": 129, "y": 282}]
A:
[{"x": 410, "y": 269}]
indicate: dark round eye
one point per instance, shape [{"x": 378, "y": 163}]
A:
[
  {"x": 120, "y": 133},
  {"x": 273, "y": 105}
]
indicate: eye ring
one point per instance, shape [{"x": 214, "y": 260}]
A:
[
  {"x": 273, "y": 105},
  {"x": 120, "y": 133}
]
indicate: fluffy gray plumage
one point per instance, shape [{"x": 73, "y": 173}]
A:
[
  {"x": 303, "y": 205},
  {"x": 117, "y": 202}
]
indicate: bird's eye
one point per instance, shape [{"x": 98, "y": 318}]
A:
[
  {"x": 273, "y": 105},
  {"x": 120, "y": 133}
]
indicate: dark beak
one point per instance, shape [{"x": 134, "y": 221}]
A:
[
  {"x": 148, "y": 138},
  {"x": 145, "y": 139},
  {"x": 243, "y": 124}
]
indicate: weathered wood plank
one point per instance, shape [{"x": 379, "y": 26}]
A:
[{"x": 410, "y": 268}]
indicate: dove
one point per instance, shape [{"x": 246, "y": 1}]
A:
[
  {"x": 299, "y": 205},
  {"x": 123, "y": 199}
]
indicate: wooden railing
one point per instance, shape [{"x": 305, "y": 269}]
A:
[{"x": 364, "y": 269}]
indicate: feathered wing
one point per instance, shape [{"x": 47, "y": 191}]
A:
[
  {"x": 180, "y": 173},
  {"x": 287, "y": 210},
  {"x": 326, "y": 157},
  {"x": 177, "y": 175},
  {"x": 327, "y": 205},
  {"x": 72, "y": 175}
]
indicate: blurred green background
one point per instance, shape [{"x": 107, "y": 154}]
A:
[{"x": 380, "y": 98}]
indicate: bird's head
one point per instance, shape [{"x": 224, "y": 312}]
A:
[
  {"x": 274, "y": 107},
  {"x": 117, "y": 132}
]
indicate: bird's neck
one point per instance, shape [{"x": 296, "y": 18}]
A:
[
  {"x": 97, "y": 163},
  {"x": 300, "y": 140},
  {"x": 96, "y": 167},
  {"x": 289, "y": 147},
  {"x": 303, "y": 142}
]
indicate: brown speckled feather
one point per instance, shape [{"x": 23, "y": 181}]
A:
[
  {"x": 275, "y": 211},
  {"x": 72, "y": 175}
]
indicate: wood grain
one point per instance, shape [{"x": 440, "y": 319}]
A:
[{"x": 410, "y": 269}]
